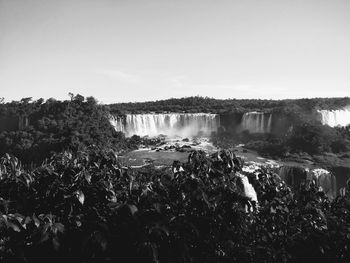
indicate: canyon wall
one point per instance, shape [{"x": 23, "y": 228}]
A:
[{"x": 257, "y": 122}]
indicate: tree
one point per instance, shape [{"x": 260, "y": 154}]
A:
[
  {"x": 39, "y": 101},
  {"x": 26, "y": 100},
  {"x": 91, "y": 100},
  {"x": 71, "y": 95},
  {"x": 79, "y": 98}
]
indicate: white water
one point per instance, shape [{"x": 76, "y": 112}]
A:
[
  {"x": 170, "y": 124},
  {"x": 335, "y": 118},
  {"x": 248, "y": 188},
  {"x": 257, "y": 122}
]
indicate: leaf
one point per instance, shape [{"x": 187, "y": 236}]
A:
[
  {"x": 27, "y": 220},
  {"x": 55, "y": 243},
  {"x": 88, "y": 177},
  {"x": 13, "y": 226},
  {"x": 36, "y": 221},
  {"x": 133, "y": 209},
  {"x": 322, "y": 250},
  {"x": 44, "y": 237},
  {"x": 80, "y": 195},
  {"x": 59, "y": 227},
  {"x": 101, "y": 240}
]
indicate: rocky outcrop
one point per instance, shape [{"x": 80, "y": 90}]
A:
[
  {"x": 293, "y": 176},
  {"x": 257, "y": 122},
  {"x": 342, "y": 175},
  {"x": 326, "y": 180}
]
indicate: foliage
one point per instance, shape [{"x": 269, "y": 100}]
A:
[
  {"x": 305, "y": 137},
  {"x": 205, "y": 104},
  {"x": 34, "y": 130},
  {"x": 85, "y": 207},
  {"x": 315, "y": 139},
  {"x": 81, "y": 205},
  {"x": 54, "y": 126}
]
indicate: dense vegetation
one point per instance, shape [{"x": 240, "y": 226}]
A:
[
  {"x": 36, "y": 129},
  {"x": 76, "y": 203},
  {"x": 205, "y": 104},
  {"x": 84, "y": 207},
  {"x": 53, "y": 126},
  {"x": 305, "y": 137}
]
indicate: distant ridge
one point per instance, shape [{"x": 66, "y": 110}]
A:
[{"x": 206, "y": 104}]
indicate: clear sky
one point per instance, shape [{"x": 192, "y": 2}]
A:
[{"x": 137, "y": 50}]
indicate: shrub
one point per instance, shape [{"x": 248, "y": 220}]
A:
[{"x": 84, "y": 207}]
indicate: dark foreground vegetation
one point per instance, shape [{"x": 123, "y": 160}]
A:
[
  {"x": 34, "y": 130},
  {"x": 64, "y": 197},
  {"x": 85, "y": 207}
]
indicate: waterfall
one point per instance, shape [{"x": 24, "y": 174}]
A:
[
  {"x": 170, "y": 124},
  {"x": 117, "y": 122},
  {"x": 248, "y": 191},
  {"x": 248, "y": 188},
  {"x": 333, "y": 118},
  {"x": 257, "y": 122}
]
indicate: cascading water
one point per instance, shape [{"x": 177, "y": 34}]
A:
[
  {"x": 335, "y": 118},
  {"x": 170, "y": 124},
  {"x": 257, "y": 122},
  {"x": 117, "y": 122},
  {"x": 248, "y": 188}
]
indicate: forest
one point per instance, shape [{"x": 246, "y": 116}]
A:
[
  {"x": 64, "y": 196},
  {"x": 210, "y": 105},
  {"x": 305, "y": 137},
  {"x": 40, "y": 128}
]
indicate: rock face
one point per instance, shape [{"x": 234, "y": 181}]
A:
[
  {"x": 257, "y": 122},
  {"x": 231, "y": 122},
  {"x": 170, "y": 124},
  {"x": 342, "y": 175},
  {"x": 281, "y": 124},
  {"x": 293, "y": 175},
  {"x": 326, "y": 180}
]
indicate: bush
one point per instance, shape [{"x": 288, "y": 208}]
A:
[
  {"x": 315, "y": 139},
  {"x": 85, "y": 207}
]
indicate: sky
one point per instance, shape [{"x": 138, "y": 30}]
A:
[{"x": 141, "y": 50}]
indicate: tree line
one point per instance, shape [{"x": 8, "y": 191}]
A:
[
  {"x": 52, "y": 126},
  {"x": 206, "y": 104}
]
